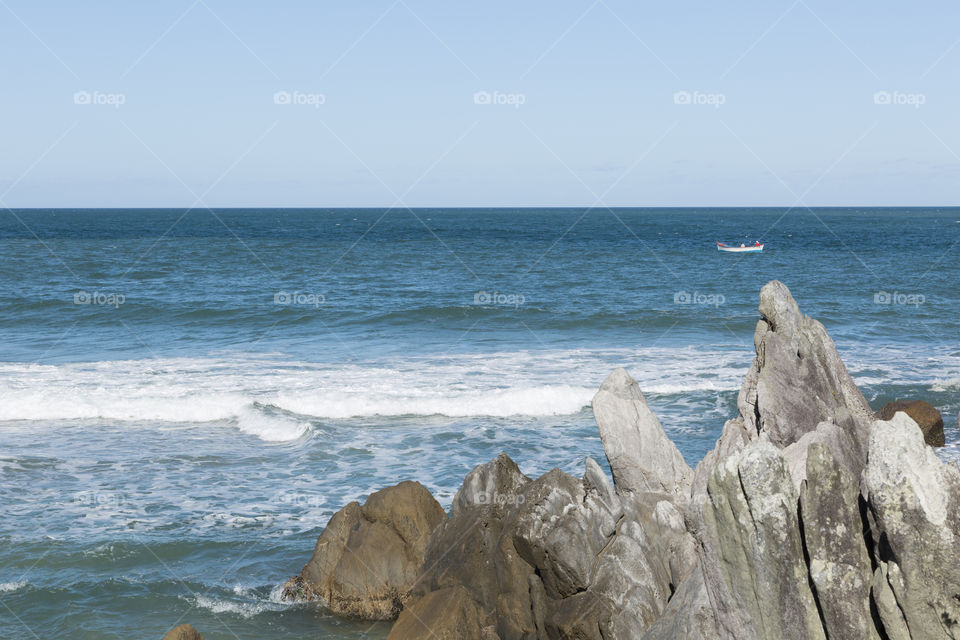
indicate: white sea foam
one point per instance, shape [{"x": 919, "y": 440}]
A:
[
  {"x": 243, "y": 609},
  {"x": 275, "y": 399},
  {"x": 272, "y": 428},
  {"x": 543, "y": 400},
  {"x": 7, "y": 587},
  {"x": 246, "y": 603},
  {"x": 952, "y": 384}
]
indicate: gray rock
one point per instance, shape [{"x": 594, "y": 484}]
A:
[
  {"x": 642, "y": 458},
  {"x": 829, "y": 434},
  {"x": 733, "y": 438},
  {"x": 808, "y": 520},
  {"x": 570, "y": 558},
  {"x": 368, "y": 557},
  {"x": 594, "y": 479},
  {"x": 838, "y": 559},
  {"x": 688, "y": 614},
  {"x": 796, "y": 382},
  {"x": 753, "y": 558},
  {"x": 498, "y": 482},
  {"x": 915, "y": 502},
  {"x": 553, "y": 534},
  {"x": 891, "y": 617}
]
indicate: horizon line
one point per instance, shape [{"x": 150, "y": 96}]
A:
[{"x": 474, "y": 207}]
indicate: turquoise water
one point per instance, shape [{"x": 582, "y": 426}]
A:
[{"x": 186, "y": 397}]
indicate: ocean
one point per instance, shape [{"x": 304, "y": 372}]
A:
[{"x": 186, "y": 397}]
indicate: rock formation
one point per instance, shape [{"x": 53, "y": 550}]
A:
[
  {"x": 923, "y": 413},
  {"x": 642, "y": 458},
  {"x": 914, "y": 509},
  {"x": 368, "y": 557},
  {"x": 810, "y": 519}
]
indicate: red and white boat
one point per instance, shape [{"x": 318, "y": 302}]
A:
[{"x": 742, "y": 248}]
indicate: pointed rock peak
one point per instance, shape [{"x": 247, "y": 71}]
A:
[
  {"x": 779, "y": 308},
  {"x": 496, "y": 482},
  {"x": 619, "y": 382},
  {"x": 797, "y": 379},
  {"x": 595, "y": 479},
  {"x": 642, "y": 458}
]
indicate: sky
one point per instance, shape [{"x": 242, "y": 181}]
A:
[{"x": 427, "y": 103}]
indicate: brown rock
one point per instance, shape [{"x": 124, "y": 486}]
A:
[
  {"x": 446, "y": 614},
  {"x": 923, "y": 413},
  {"x": 368, "y": 557},
  {"x": 475, "y": 550},
  {"x": 183, "y": 632}
]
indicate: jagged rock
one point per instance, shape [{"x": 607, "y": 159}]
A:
[
  {"x": 837, "y": 554},
  {"x": 835, "y": 438},
  {"x": 183, "y": 632},
  {"x": 796, "y": 382},
  {"x": 554, "y": 535},
  {"x": 688, "y": 614},
  {"x": 891, "y": 617},
  {"x": 733, "y": 438},
  {"x": 498, "y": 482},
  {"x": 809, "y": 520},
  {"x": 915, "y": 503},
  {"x": 641, "y": 456},
  {"x": 923, "y": 413},
  {"x": 569, "y": 558},
  {"x": 754, "y": 565},
  {"x": 594, "y": 479},
  {"x": 445, "y": 614},
  {"x": 474, "y": 550},
  {"x": 369, "y": 557}
]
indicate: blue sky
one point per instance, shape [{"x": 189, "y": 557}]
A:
[{"x": 591, "y": 102}]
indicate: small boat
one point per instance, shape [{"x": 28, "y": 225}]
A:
[{"x": 741, "y": 248}]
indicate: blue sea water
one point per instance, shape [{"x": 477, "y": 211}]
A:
[{"x": 187, "y": 396}]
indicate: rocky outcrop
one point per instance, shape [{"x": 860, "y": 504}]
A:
[
  {"x": 754, "y": 560},
  {"x": 914, "y": 504},
  {"x": 810, "y": 519},
  {"x": 836, "y": 551},
  {"x": 923, "y": 413},
  {"x": 796, "y": 382},
  {"x": 368, "y": 557},
  {"x": 498, "y": 483},
  {"x": 566, "y": 557},
  {"x": 642, "y": 458},
  {"x": 790, "y": 507},
  {"x": 183, "y": 632}
]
